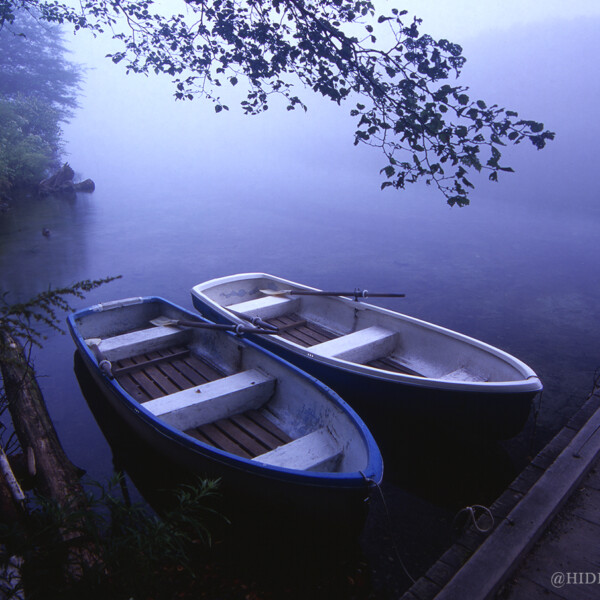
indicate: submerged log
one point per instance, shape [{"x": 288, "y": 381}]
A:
[
  {"x": 12, "y": 497},
  {"x": 62, "y": 183},
  {"x": 10, "y": 577},
  {"x": 5, "y": 202},
  {"x": 12, "y": 510},
  {"x": 56, "y": 477}
]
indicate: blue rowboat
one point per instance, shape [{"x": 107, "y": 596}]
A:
[
  {"x": 222, "y": 407},
  {"x": 386, "y": 365}
]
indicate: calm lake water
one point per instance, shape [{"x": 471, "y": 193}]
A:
[{"x": 183, "y": 196}]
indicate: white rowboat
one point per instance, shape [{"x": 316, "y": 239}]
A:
[{"x": 385, "y": 364}]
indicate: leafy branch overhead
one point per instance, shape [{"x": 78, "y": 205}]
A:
[{"x": 397, "y": 79}]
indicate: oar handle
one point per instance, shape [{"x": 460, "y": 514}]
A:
[
  {"x": 356, "y": 293},
  {"x": 200, "y": 325},
  {"x": 256, "y": 321},
  {"x": 224, "y": 327}
]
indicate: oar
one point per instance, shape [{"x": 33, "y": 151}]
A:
[
  {"x": 166, "y": 322},
  {"x": 256, "y": 321},
  {"x": 355, "y": 293}
]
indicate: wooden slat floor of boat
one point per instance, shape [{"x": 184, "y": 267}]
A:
[
  {"x": 247, "y": 434},
  {"x": 306, "y": 334},
  {"x": 389, "y": 364},
  {"x": 155, "y": 374},
  {"x": 309, "y": 334}
]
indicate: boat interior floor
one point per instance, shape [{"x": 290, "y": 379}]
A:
[
  {"x": 228, "y": 412},
  {"x": 166, "y": 371},
  {"x": 307, "y": 333},
  {"x": 248, "y": 434}
]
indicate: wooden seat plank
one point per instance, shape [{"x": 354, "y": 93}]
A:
[
  {"x": 316, "y": 451},
  {"x": 214, "y": 400},
  {"x": 359, "y": 346},
  {"x": 138, "y": 342},
  {"x": 265, "y": 307}
]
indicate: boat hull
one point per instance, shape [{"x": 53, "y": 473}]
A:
[
  {"x": 319, "y": 496},
  {"x": 383, "y": 398}
]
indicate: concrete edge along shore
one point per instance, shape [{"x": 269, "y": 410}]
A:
[{"x": 479, "y": 564}]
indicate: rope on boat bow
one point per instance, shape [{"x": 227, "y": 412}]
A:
[{"x": 106, "y": 367}]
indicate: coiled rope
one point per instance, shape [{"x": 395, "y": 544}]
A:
[{"x": 471, "y": 512}]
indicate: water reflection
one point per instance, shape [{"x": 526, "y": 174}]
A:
[{"x": 31, "y": 261}]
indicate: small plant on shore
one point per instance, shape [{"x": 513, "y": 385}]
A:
[{"x": 139, "y": 555}]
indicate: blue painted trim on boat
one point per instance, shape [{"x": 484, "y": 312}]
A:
[{"x": 372, "y": 474}]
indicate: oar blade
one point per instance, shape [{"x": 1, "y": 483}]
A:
[{"x": 164, "y": 322}]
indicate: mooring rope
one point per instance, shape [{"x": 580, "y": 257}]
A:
[
  {"x": 390, "y": 526},
  {"x": 470, "y": 510},
  {"x": 536, "y": 413}
]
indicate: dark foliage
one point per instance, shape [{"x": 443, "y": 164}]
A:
[
  {"x": 396, "y": 77},
  {"x": 38, "y": 90},
  {"x": 21, "y": 320},
  {"x": 34, "y": 65},
  {"x": 139, "y": 554}
]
